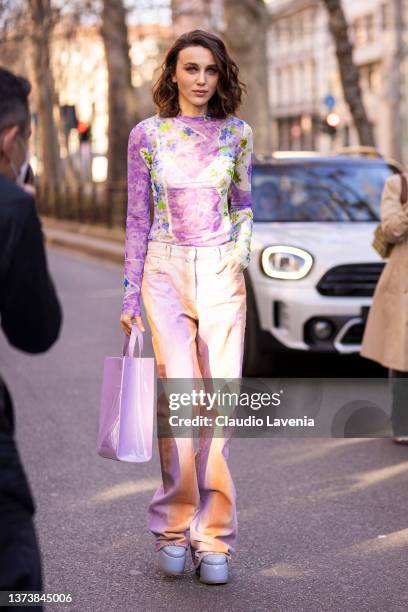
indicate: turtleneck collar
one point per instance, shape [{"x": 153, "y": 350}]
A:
[{"x": 204, "y": 117}]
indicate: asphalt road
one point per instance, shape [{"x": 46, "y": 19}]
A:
[{"x": 322, "y": 523}]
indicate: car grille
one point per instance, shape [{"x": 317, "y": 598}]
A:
[{"x": 354, "y": 280}]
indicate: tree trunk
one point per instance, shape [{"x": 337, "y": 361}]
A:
[
  {"x": 120, "y": 93},
  {"x": 50, "y": 178},
  {"x": 348, "y": 72},
  {"x": 190, "y": 15},
  {"x": 246, "y": 24}
]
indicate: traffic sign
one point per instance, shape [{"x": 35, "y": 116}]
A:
[{"x": 329, "y": 101}]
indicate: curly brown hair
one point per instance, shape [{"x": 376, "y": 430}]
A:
[{"x": 228, "y": 95}]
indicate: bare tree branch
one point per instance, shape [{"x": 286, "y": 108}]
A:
[{"x": 348, "y": 71}]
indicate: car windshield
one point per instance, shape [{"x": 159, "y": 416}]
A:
[{"x": 335, "y": 191}]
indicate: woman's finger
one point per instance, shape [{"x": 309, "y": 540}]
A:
[
  {"x": 139, "y": 323},
  {"x": 126, "y": 326}
]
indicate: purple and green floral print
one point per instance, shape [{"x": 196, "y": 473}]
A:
[{"x": 198, "y": 170}]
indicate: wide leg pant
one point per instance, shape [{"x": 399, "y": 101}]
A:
[{"x": 197, "y": 319}]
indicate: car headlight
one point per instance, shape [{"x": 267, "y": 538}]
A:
[{"x": 286, "y": 262}]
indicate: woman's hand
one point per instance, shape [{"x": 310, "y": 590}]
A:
[
  {"x": 229, "y": 265},
  {"x": 127, "y": 320}
]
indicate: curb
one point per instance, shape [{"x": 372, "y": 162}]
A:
[
  {"x": 100, "y": 249},
  {"x": 110, "y": 234}
]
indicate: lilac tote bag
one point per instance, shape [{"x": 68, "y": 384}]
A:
[{"x": 127, "y": 404}]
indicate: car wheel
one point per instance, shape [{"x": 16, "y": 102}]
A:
[{"x": 257, "y": 360}]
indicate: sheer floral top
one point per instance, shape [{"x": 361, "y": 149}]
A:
[{"x": 198, "y": 170}]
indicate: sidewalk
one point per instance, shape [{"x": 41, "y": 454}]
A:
[{"x": 97, "y": 241}]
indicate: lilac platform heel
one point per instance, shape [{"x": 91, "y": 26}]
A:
[
  {"x": 172, "y": 559},
  {"x": 213, "y": 569}
]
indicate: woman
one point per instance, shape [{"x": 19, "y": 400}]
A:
[
  {"x": 386, "y": 333},
  {"x": 195, "y": 156}
]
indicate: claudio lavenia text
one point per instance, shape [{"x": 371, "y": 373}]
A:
[{"x": 223, "y": 420}]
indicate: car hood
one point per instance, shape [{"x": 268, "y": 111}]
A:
[{"x": 332, "y": 242}]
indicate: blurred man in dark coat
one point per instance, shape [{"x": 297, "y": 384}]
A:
[{"x": 30, "y": 318}]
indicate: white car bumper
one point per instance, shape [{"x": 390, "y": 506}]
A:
[{"x": 285, "y": 307}]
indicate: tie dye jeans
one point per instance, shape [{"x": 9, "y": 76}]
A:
[{"x": 197, "y": 319}]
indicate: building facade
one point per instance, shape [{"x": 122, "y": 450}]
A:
[
  {"x": 296, "y": 82},
  {"x": 304, "y": 78}
]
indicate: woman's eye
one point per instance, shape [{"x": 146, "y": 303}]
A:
[{"x": 211, "y": 70}]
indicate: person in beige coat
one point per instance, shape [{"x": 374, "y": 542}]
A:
[{"x": 386, "y": 333}]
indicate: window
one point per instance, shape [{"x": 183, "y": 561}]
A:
[
  {"x": 289, "y": 29},
  {"x": 277, "y": 34},
  {"x": 369, "y": 25},
  {"x": 385, "y": 16},
  {"x": 370, "y": 77},
  {"x": 301, "y": 25},
  {"x": 360, "y": 32},
  {"x": 297, "y": 27},
  {"x": 296, "y": 82},
  {"x": 278, "y": 89},
  {"x": 302, "y": 78},
  {"x": 308, "y": 20},
  {"x": 308, "y": 77},
  {"x": 373, "y": 77},
  {"x": 289, "y": 84}
]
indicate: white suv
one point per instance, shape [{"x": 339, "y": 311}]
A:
[{"x": 313, "y": 270}]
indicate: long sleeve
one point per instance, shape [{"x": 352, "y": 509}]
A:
[
  {"x": 241, "y": 214},
  {"x": 138, "y": 218},
  {"x": 30, "y": 311},
  {"x": 394, "y": 216}
]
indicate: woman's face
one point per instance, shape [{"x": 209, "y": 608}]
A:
[{"x": 196, "y": 77}]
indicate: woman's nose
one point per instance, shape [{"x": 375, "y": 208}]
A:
[{"x": 201, "y": 79}]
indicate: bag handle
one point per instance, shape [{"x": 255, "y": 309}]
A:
[
  {"x": 129, "y": 344},
  {"x": 404, "y": 189}
]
